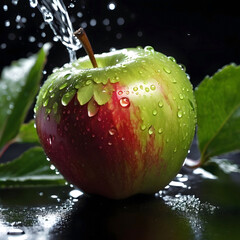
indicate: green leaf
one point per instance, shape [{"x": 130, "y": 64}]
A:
[
  {"x": 27, "y": 133},
  {"x": 30, "y": 169},
  {"x": 19, "y": 84},
  {"x": 102, "y": 93},
  {"x": 221, "y": 167},
  {"x": 218, "y": 102},
  {"x": 85, "y": 93}
]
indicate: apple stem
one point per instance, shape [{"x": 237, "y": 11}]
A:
[{"x": 82, "y": 36}]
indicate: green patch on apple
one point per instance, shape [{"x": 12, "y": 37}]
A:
[{"x": 124, "y": 126}]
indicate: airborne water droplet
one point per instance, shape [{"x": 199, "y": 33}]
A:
[
  {"x": 124, "y": 102},
  {"x": 33, "y": 3}
]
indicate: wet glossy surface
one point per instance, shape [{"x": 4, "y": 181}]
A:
[{"x": 193, "y": 206}]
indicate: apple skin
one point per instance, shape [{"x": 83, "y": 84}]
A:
[{"x": 120, "y": 129}]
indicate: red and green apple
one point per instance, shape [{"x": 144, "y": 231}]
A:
[{"x": 122, "y": 128}]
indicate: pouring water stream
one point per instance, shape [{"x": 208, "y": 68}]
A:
[{"x": 56, "y": 15}]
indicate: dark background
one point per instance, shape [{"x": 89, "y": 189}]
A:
[{"x": 202, "y": 35}]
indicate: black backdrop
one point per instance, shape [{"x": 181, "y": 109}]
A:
[{"x": 204, "y": 36}]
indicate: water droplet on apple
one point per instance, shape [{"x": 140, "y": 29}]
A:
[
  {"x": 147, "y": 89},
  {"x": 88, "y": 82},
  {"x": 89, "y": 76},
  {"x": 93, "y": 108},
  {"x": 172, "y": 59},
  {"x": 160, "y": 104},
  {"x": 143, "y": 127},
  {"x": 55, "y": 107},
  {"x": 77, "y": 86},
  {"x": 50, "y": 89},
  {"x": 181, "y": 96},
  {"x": 135, "y": 89},
  {"x": 160, "y": 130},
  {"x": 152, "y": 87},
  {"x": 150, "y": 130},
  {"x": 63, "y": 86},
  {"x": 182, "y": 67},
  {"x": 154, "y": 112},
  {"x": 67, "y": 97},
  {"x": 175, "y": 150},
  {"x": 67, "y": 76},
  {"x": 109, "y": 143},
  {"x": 167, "y": 70},
  {"x": 180, "y": 113},
  {"x": 45, "y": 103},
  {"x": 149, "y": 49},
  {"x": 50, "y": 139},
  {"x": 124, "y": 102},
  {"x": 120, "y": 92},
  {"x": 112, "y": 131}
]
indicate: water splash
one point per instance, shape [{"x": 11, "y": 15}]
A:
[{"x": 56, "y": 15}]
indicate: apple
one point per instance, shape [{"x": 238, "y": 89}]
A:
[{"x": 121, "y": 128}]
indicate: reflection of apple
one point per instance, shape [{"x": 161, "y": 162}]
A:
[
  {"x": 141, "y": 218},
  {"x": 120, "y": 129}
]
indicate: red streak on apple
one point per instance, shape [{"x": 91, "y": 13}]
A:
[{"x": 108, "y": 157}]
